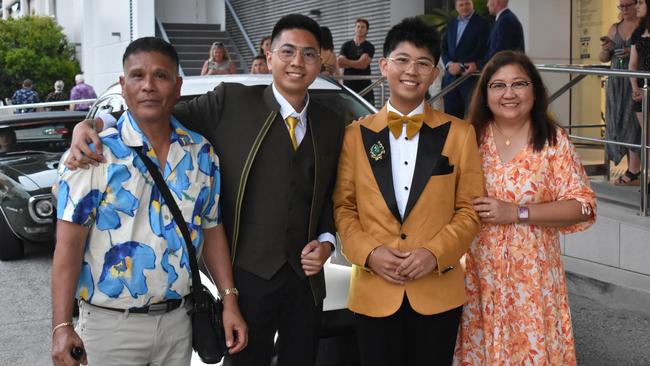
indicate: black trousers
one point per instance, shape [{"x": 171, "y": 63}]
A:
[
  {"x": 283, "y": 304},
  {"x": 407, "y": 338}
]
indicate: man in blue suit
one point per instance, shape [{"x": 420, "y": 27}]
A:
[
  {"x": 463, "y": 45},
  {"x": 507, "y": 32}
]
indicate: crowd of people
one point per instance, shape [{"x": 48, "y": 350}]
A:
[
  {"x": 27, "y": 95},
  {"x": 452, "y": 225}
]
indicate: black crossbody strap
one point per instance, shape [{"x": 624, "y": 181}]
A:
[{"x": 178, "y": 216}]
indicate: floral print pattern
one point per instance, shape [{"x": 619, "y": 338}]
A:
[
  {"x": 135, "y": 253},
  {"x": 517, "y": 311}
]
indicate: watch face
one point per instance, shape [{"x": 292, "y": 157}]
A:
[{"x": 523, "y": 212}]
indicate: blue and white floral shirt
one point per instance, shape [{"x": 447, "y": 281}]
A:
[{"x": 134, "y": 253}]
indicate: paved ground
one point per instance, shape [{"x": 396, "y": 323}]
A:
[{"x": 605, "y": 335}]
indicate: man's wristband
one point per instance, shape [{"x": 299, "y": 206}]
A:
[
  {"x": 228, "y": 291},
  {"x": 56, "y": 327}
]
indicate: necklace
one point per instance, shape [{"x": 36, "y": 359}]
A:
[{"x": 521, "y": 127}]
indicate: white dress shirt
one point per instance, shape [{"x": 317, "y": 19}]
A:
[{"x": 404, "y": 152}]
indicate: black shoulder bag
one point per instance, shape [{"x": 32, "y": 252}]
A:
[{"x": 208, "y": 336}]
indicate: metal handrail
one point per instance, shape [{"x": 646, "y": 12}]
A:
[
  {"x": 48, "y": 104},
  {"x": 241, "y": 27},
  {"x": 165, "y": 37}
]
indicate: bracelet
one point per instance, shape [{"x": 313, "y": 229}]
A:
[
  {"x": 228, "y": 291},
  {"x": 65, "y": 324}
]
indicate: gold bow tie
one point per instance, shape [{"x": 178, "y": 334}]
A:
[{"x": 413, "y": 124}]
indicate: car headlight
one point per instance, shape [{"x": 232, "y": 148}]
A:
[{"x": 44, "y": 208}]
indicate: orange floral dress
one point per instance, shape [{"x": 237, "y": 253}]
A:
[{"x": 517, "y": 311}]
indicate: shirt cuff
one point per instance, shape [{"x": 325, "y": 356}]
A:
[
  {"x": 328, "y": 237},
  {"x": 108, "y": 119}
]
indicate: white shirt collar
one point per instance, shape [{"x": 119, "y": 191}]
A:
[
  {"x": 418, "y": 110},
  {"x": 499, "y": 13},
  {"x": 287, "y": 110}
]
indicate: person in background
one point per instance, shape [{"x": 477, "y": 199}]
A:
[
  {"x": 403, "y": 208},
  {"x": 640, "y": 59},
  {"x": 464, "y": 43},
  {"x": 58, "y": 95},
  {"x": 265, "y": 46},
  {"x": 621, "y": 122},
  {"x": 25, "y": 95},
  {"x": 355, "y": 58},
  {"x": 536, "y": 188},
  {"x": 219, "y": 62},
  {"x": 7, "y": 140},
  {"x": 506, "y": 33},
  {"x": 329, "y": 63},
  {"x": 81, "y": 91},
  {"x": 259, "y": 65}
]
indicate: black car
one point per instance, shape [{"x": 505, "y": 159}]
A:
[{"x": 31, "y": 145}]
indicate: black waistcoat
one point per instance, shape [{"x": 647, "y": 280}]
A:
[{"x": 271, "y": 237}]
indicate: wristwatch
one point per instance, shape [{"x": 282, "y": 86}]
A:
[
  {"x": 228, "y": 291},
  {"x": 523, "y": 213},
  {"x": 462, "y": 66}
]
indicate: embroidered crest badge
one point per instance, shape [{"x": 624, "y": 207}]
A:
[{"x": 377, "y": 151}]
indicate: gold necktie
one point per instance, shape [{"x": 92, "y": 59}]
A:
[
  {"x": 293, "y": 122},
  {"x": 413, "y": 124}
]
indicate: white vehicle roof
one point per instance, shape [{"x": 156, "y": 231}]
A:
[{"x": 195, "y": 85}]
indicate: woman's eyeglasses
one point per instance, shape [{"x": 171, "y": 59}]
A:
[
  {"x": 517, "y": 86},
  {"x": 625, "y": 6}
]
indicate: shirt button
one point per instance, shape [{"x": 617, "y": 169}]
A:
[
  {"x": 406, "y": 188},
  {"x": 406, "y": 163},
  {"x": 403, "y": 236},
  {"x": 406, "y": 138},
  {"x": 166, "y": 217}
]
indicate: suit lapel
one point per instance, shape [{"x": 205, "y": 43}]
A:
[
  {"x": 377, "y": 147},
  {"x": 430, "y": 145},
  {"x": 453, "y": 36}
]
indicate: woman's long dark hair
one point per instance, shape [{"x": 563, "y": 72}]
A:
[
  {"x": 543, "y": 126},
  {"x": 644, "y": 23}
]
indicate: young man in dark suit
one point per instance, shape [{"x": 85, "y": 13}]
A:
[
  {"x": 507, "y": 32},
  {"x": 463, "y": 45},
  {"x": 278, "y": 151}
]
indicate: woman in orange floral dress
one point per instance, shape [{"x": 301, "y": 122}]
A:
[{"x": 517, "y": 311}]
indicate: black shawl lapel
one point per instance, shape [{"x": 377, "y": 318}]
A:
[
  {"x": 430, "y": 145},
  {"x": 381, "y": 168}
]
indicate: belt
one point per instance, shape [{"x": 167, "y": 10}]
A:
[{"x": 153, "y": 309}]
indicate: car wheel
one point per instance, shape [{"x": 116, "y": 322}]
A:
[{"x": 11, "y": 247}]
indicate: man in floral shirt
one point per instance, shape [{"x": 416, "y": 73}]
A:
[
  {"x": 25, "y": 95},
  {"x": 119, "y": 250}
]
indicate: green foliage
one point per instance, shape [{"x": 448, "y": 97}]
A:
[{"x": 35, "y": 48}]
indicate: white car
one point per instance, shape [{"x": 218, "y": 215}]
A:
[{"x": 338, "y": 343}]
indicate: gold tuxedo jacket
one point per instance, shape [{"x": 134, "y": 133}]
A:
[{"x": 438, "y": 215}]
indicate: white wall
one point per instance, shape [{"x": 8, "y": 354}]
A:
[
  {"x": 400, "y": 9},
  {"x": 191, "y": 11},
  {"x": 547, "y": 32}
]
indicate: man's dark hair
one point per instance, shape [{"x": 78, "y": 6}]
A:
[
  {"x": 259, "y": 57},
  {"x": 151, "y": 44},
  {"x": 364, "y": 21},
  {"x": 296, "y": 21},
  {"x": 417, "y": 32},
  {"x": 27, "y": 83},
  {"x": 327, "y": 42}
]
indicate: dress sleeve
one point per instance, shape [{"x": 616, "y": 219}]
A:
[{"x": 571, "y": 182}]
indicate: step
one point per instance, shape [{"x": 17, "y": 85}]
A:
[
  {"x": 197, "y": 33},
  {"x": 196, "y": 40},
  {"x": 199, "y": 64},
  {"x": 200, "y": 26},
  {"x": 630, "y": 196}
]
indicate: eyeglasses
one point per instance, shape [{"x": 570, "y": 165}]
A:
[
  {"x": 517, "y": 86},
  {"x": 421, "y": 65},
  {"x": 625, "y": 6},
  {"x": 287, "y": 52}
]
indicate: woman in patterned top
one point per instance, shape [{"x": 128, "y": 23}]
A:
[
  {"x": 58, "y": 95},
  {"x": 219, "y": 61},
  {"x": 517, "y": 311},
  {"x": 640, "y": 57}
]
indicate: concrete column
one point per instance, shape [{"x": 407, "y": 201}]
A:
[
  {"x": 24, "y": 8},
  {"x": 400, "y": 9}
]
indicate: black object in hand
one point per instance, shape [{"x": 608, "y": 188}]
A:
[{"x": 76, "y": 352}]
